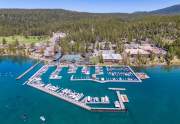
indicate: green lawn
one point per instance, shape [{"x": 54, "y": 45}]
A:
[
  {"x": 25, "y": 40},
  {"x": 94, "y": 60}
]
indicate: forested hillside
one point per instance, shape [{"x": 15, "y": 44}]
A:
[
  {"x": 41, "y": 22},
  {"x": 87, "y": 27}
]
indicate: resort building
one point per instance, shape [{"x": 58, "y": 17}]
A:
[
  {"x": 153, "y": 49},
  {"x": 49, "y": 52},
  {"x": 72, "y": 58},
  {"x": 135, "y": 52},
  {"x": 143, "y": 48},
  {"x": 112, "y": 58},
  {"x": 100, "y": 52}
]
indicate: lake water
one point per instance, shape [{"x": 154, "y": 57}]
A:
[{"x": 154, "y": 101}]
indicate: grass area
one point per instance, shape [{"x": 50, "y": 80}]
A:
[
  {"x": 24, "y": 39},
  {"x": 167, "y": 41},
  {"x": 94, "y": 60}
]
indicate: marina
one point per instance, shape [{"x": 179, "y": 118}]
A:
[
  {"x": 100, "y": 74},
  {"x": 37, "y": 75},
  {"x": 72, "y": 69},
  {"x": 36, "y": 103},
  {"x": 55, "y": 74},
  {"x": 89, "y": 62},
  {"x": 108, "y": 74},
  {"x": 74, "y": 97},
  {"x": 85, "y": 70}
]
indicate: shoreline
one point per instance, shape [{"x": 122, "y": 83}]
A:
[{"x": 99, "y": 64}]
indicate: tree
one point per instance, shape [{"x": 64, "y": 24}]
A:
[
  {"x": 4, "y": 42},
  {"x": 101, "y": 59},
  {"x": 152, "y": 56},
  {"x": 64, "y": 46},
  {"x": 94, "y": 60},
  {"x": 16, "y": 43}
]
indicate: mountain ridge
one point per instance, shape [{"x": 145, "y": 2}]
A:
[{"x": 174, "y": 9}]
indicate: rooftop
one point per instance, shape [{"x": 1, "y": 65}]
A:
[
  {"x": 112, "y": 56},
  {"x": 137, "y": 51},
  {"x": 71, "y": 57}
]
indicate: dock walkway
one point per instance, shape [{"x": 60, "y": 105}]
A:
[
  {"x": 82, "y": 105},
  {"x": 101, "y": 81},
  {"x": 77, "y": 103},
  {"x": 107, "y": 109},
  {"x": 120, "y": 100},
  {"x": 20, "y": 76},
  {"x": 116, "y": 89}
]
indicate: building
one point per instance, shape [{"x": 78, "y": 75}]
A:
[
  {"x": 135, "y": 52},
  {"x": 49, "y": 52},
  {"x": 77, "y": 58},
  {"x": 144, "y": 48},
  {"x": 111, "y": 58},
  {"x": 100, "y": 52},
  {"x": 153, "y": 49}
]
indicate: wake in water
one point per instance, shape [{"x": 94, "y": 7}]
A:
[{"x": 7, "y": 74}]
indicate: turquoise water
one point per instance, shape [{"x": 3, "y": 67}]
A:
[{"x": 155, "y": 101}]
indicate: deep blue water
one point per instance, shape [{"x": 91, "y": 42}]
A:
[{"x": 154, "y": 101}]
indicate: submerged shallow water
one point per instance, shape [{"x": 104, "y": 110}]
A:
[{"x": 154, "y": 101}]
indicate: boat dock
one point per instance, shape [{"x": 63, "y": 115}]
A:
[
  {"x": 107, "y": 109},
  {"x": 22, "y": 75},
  {"x": 116, "y": 89},
  {"x": 114, "y": 74},
  {"x": 139, "y": 80},
  {"x": 43, "y": 68},
  {"x": 76, "y": 98},
  {"x": 101, "y": 81},
  {"x": 96, "y": 100},
  {"x": 55, "y": 74},
  {"x": 142, "y": 75},
  {"x": 77, "y": 103},
  {"x": 122, "y": 106}
]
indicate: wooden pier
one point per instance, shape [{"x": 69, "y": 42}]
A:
[{"x": 20, "y": 76}]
